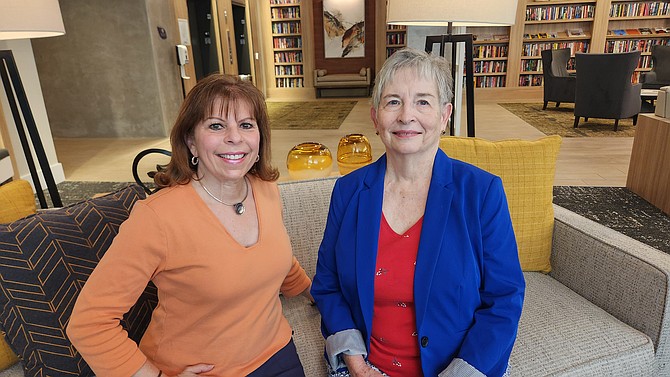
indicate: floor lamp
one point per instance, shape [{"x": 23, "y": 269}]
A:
[
  {"x": 25, "y": 19},
  {"x": 454, "y": 13}
]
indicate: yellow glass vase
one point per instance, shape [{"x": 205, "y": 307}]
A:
[
  {"x": 353, "y": 152},
  {"x": 309, "y": 160}
]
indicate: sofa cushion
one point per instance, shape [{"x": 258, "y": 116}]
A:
[
  {"x": 562, "y": 333},
  {"x": 342, "y": 77},
  {"x": 45, "y": 259},
  {"x": 16, "y": 201},
  {"x": 321, "y": 72},
  {"x": 527, "y": 171}
]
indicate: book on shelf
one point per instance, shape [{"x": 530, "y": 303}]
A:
[
  {"x": 632, "y": 32},
  {"x": 661, "y": 30},
  {"x": 619, "y": 32},
  {"x": 542, "y": 35},
  {"x": 644, "y": 30},
  {"x": 576, "y": 32},
  {"x": 500, "y": 37},
  {"x": 483, "y": 37}
]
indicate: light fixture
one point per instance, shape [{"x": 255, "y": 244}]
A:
[
  {"x": 24, "y": 19},
  {"x": 454, "y": 13}
]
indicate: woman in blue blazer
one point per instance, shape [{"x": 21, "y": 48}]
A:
[{"x": 418, "y": 272}]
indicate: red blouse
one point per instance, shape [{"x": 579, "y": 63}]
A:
[{"x": 393, "y": 345}]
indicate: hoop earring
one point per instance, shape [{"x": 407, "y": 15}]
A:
[
  {"x": 194, "y": 160},
  {"x": 258, "y": 157}
]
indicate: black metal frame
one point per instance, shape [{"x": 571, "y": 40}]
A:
[
  {"x": 136, "y": 162},
  {"x": 454, "y": 39},
  {"x": 25, "y": 120}
]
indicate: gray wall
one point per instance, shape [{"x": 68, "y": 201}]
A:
[{"x": 110, "y": 75}]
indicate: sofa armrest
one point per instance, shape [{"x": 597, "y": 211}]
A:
[
  {"x": 625, "y": 277},
  {"x": 368, "y": 76}
]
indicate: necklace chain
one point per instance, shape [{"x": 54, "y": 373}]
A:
[{"x": 239, "y": 206}]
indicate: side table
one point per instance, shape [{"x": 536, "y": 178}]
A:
[{"x": 649, "y": 169}]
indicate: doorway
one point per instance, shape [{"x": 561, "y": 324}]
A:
[
  {"x": 203, "y": 38},
  {"x": 241, "y": 40}
]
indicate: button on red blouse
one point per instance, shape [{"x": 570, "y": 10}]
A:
[{"x": 394, "y": 347}]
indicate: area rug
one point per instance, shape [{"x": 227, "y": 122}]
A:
[
  {"x": 620, "y": 209},
  {"x": 560, "y": 121},
  {"x": 309, "y": 115},
  {"x": 615, "y": 207}
]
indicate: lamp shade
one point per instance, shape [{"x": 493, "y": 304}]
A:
[
  {"x": 458, "y": 12},
  {"x": 22, "y": 19}
]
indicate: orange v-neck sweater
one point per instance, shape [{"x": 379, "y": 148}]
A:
[{"x": 218, "y": 300}]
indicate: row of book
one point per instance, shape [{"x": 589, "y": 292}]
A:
[
  {"x": 530, "y": 80},
  {"x": 656, "y": 8},
  {"x": 494, "y": 66},
  {"x": 286, "y": 27},
  {"x": 642, "y": 45},
  {"x": 288, "y": 70},
  {"x": 290, "y": 82},
  {"x": 280, "y": 2},
  {"x": 490, "y": 51},
  {"x": 531, "y": 65},
  {"x": 395, "y": 38},
  {"x": 560, "y": 12},
  {"x": 288, "y": 57},
  {"x": 533, "y": 49},
  {"x": 287, "y": 42},
  {"x": 639, "y": 31},
  {"x": 288, "y": 12},
  {"x": 491, "y": 37},
  {"x": 490, "y": 81},
  {"x": 574, "y": 32}
]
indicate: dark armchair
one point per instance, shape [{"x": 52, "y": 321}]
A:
[
  {"x": 604, "y": 88},
  {"x": 559, "y": 85},
  {"x": 659, "y": 75}
]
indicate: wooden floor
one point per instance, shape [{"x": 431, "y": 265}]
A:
[{"x": 594, "y": 161}]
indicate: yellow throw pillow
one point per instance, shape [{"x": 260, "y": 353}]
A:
[
  {"x": 527, "y": 170},
  {"x": 16, "y": 201}
]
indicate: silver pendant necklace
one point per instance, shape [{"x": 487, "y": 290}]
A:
[{"x": 239, "y": 206}]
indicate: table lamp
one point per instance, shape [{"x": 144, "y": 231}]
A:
[
  {"x": 25, "y": 19},
  {"x": 454, "y": 13}
]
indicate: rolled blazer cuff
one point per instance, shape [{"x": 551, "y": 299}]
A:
[
  {"x": 348, "y": 342},
  {"x": 460, "y": 368}
]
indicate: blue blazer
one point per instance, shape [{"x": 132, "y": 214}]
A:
[{"x": 468, "y": 284}]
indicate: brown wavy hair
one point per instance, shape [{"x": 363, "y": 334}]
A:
[{"x": 198, "y": 106}]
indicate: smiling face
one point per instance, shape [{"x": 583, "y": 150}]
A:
[
  {"x": 226, "y": 145},
  {"x": 410, "y": 117}
]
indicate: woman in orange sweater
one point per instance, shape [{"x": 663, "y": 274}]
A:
[{"x": 213, "y": 242}]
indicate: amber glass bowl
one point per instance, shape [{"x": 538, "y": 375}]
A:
[
  {"x": 309, "y": 160},
  {"x": 353, "y": 151}
]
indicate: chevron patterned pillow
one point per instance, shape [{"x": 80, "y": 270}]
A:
[{"x": 44, "y": 261}]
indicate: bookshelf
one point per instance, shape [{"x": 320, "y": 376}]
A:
[
  {"x": 490, "y": 55},
  {"x": 396, "y": 38},
  {"x": 552, "y": 25},
  {"x": 637, "y": 25},
  {"x": 287, "y": 43}
]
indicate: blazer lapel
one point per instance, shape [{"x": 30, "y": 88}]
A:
[
  {"x": 367, "y": 237},
  {"x": 433, "y": 232}
]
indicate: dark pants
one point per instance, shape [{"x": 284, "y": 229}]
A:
[{"x": 284, "y": 363}]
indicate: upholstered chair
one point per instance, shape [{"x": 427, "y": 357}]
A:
[
  {"x": 559, "y": 85},
  {"x": 604, "y": 88},
  {"x": 660, "y": 72}
]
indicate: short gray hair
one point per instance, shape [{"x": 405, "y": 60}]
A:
[{"x": 432, "y": 67}]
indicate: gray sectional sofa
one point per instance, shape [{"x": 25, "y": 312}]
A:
[{"x": 600, "y": 312}]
